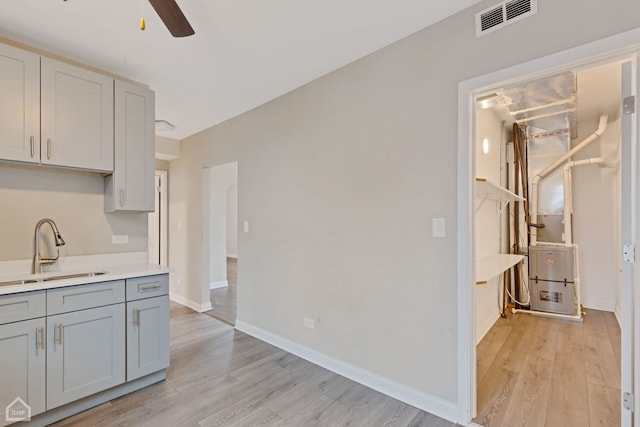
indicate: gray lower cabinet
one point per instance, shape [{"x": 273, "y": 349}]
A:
[
  {"x": 23, "y": 365},
  {"x": 147, "y": 336},
  {"x": 60, "y": 345},
  {"x": 85, "y": 353}
]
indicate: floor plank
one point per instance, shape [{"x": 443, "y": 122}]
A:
[
  {"x": 224, "y": 301},
  {"x": 550, "y": 372},
  {"x": 222, "y": 377}
]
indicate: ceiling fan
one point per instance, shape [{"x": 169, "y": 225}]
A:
[{"x": 173, "y": 18}]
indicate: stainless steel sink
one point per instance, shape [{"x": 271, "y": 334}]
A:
[
  {"x": 74, "y": 276},
  {"x": 51, "y": 278},
  {"x": 18, "y": 282}
]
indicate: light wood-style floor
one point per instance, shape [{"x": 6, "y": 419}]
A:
[
  {"x": 222, "y": 377},
  {"x": 536, "y": 371},
  {"x": 224, "y": 300}
]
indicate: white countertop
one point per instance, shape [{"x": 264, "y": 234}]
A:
[{"x": 115, "y": 272}]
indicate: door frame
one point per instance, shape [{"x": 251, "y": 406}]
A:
[
  {"x": 624, "y": 46},
  {"x": 163, "y": 208}
]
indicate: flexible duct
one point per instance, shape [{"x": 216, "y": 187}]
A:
[{"x": 602, "y": 126}]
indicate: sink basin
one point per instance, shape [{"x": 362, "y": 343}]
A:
[
  {"x": 18, "y": 282},
  {"x": 74, "y": 276},
  {"x": 50, "y": 278}
]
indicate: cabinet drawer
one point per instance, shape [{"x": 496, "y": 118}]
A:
[
  {"x": 147, "y": 287},
  {"x": 22, "y": 306},
  {"x": 72, "y": 298}
]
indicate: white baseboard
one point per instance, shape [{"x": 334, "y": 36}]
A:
[
  {"x": 234, "y": 256},
  {"x": 188, "y": 303},
  {"x": 600, "y": 305},
  {"x": 487, "y": 324},
  {"x": 409, "y": 395},
  {"x": 219, "y": 284}
]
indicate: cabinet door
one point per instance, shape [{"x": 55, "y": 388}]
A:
[
  {"x": 131, "y": 187},
  {"x": 85, "y": 353},
  {"x": 77, "y": 117},
  {"x": 22, "y": 371},
  {"x": 19, "y": 105},
  {"x": 147, "y": 336}
]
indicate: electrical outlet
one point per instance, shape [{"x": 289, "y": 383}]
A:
[
  {"x": 120, "y": 239},
  {"x": 308, "y": 323}
]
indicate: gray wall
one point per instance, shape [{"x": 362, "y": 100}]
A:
[
  {"x": 339, "y": 180},
  {"x": 75, "y": 201}
]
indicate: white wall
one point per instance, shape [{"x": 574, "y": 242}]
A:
[
  {"x": 222, "y": 178},
  {"x": 75, "y": 201},
  {"x": 232, "y": 221},
  {"x": 340, "y": 179},
  {"x": 488, "y": 222},
  {"x": 596, "y": 201}
]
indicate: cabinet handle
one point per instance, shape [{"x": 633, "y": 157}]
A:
[
  {"x": 32, "y": 145},
  {"x": 40, "y": 338},
  {"x": 149, "y": 288},
  {"x": 48, "y": 148},
  {"x": 123, "y": 198},
  {"x": 58, "y": 333},
  {"x": 136, "y": 317}
]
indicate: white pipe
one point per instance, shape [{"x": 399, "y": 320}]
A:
[
  {"x": 533, "y": 219},
  {"x": 568, "y": 208}
]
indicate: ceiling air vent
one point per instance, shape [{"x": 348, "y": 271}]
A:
[{"x": 503, "y": 14}]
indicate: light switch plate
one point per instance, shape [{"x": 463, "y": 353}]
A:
[
  {"x": 438, "y": 227},
  {"x": 120, "y": 239},
  {"x": 245, "y": 226}
]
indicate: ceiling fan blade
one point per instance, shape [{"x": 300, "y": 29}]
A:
[{"x": 173, "y": 18}]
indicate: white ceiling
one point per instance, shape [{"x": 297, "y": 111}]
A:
[{"x": 244, "y": 52}]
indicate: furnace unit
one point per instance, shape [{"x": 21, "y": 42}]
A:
[{"x": 552, "y": 279}]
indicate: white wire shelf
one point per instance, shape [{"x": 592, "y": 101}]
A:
[{"x": 494, "y": 265}]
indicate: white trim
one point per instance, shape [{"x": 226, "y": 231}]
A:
[
  {"x": 601, "y": 51},
  {"x": 599, "y": 305},
  {"x": 164, "y": 214},
  {"x": 487, "y": 327},
  {"x": 234, "y": 256},
  {"x": 409, "y": 395},
  {"x": 191, "y": 304},
  {"x": 219, "y": 284}
]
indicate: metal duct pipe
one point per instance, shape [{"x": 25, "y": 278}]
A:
[
  {"x": 602, "y": 126},
  {"x": 568, "y": 234}
]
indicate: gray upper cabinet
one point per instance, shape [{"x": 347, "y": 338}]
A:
[
  {"x": 19, "y": 105},
  {"x": 131, "y": 186},
  {"x": 23, "y": 365},
  {"x": 85, "y": 353},
  {"x": 76, "y": 117}
]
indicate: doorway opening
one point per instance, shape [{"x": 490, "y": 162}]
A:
[
  {"x": 621, "y": 49},
  {"x": 157, "y": 222},
  {"x": 547, "y": 151},
  {"x": 221, "y": 241}
]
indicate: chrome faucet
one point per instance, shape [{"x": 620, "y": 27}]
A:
[{"x": 38, "y": 261}]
